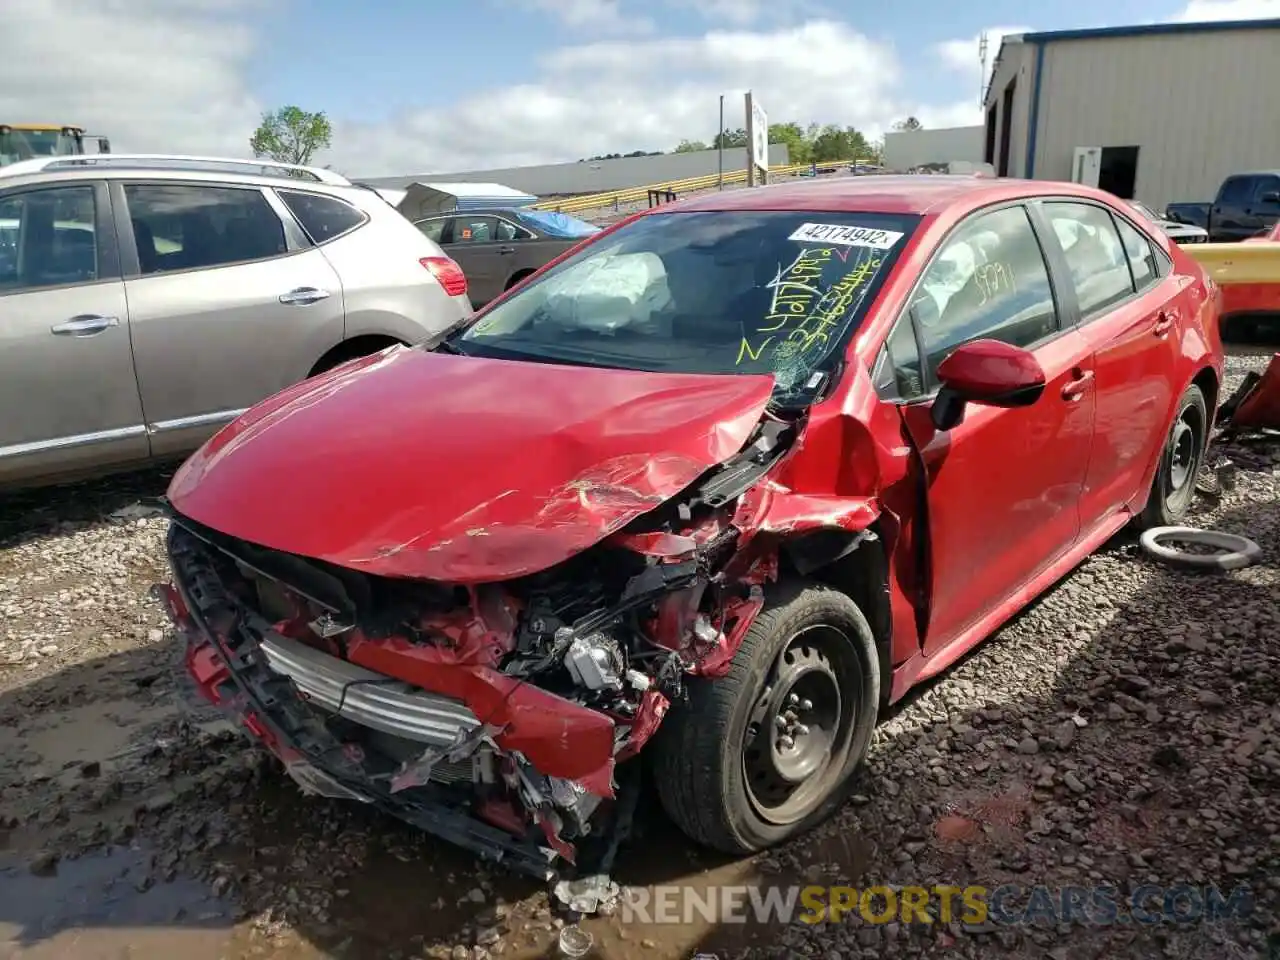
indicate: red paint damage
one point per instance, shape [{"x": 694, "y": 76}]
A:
[{"x": 426, "y": 469}]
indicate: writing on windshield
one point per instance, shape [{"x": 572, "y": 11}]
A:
[{"x": 719, "y": 292}]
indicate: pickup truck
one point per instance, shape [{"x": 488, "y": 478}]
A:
[{"x": 1248, "y": 204}]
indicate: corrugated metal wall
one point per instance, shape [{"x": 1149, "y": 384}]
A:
[
  {"x": 595, "y": 176},
  {"x": 1016, "y": 63},
  {"x": 1199, "y": 106},
  {"x": 904, "y": 149}
]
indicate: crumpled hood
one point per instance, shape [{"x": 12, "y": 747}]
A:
[{"x": 460, "y": 469}]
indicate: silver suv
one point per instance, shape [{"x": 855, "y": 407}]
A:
[{"x": 145, "y": 301}]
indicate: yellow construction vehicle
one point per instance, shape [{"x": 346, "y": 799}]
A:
[{"x": 25, "y": 141}]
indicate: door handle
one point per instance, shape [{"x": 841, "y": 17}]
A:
[
  {"x": 84, "y": 325},
  {"x": 301, "y": 296},
  {"x": 1163, "y": 325},
  {"x": 1079, "y": 384},
  {"x": 506, "y": 250}
]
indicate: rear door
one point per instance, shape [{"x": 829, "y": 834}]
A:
[
  {"x": 472, "y": 240},
  {"x": 229, "y": 303},
  {"x": 1131, "y": 314},
  {"x": 68, "y": 395},
  {"x": 1003, "y": 486}
]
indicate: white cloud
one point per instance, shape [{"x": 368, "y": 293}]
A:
[
  {"x": 172, "y": 76},
  {"x": 594, "y": 16},
  {"x": 1199, "y": 11},
  {"x": 154, "y": 75},
  {"x": 646, "y": 94},
  {"x": 962, "y": 55}
]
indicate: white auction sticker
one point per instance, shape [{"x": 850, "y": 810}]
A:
[{"x": 846, "y": 236}]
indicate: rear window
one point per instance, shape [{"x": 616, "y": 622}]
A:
[
  {"x": 734, "y": 292},
  {"x": 323, "y": 218}
]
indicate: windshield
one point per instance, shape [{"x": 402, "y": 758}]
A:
[
  {"x": 1146, "y": 211},
  {"x": 27, "y": 144},
  {"x": 559, "y": 225},
  {"x": 739, "y": 292}
]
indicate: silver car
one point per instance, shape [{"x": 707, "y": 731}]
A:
[{"x": 146, "y": 301}]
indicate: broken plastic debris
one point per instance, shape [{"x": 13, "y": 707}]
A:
[
  {"x": 574, "y": 941},
  {"x": 587, "y": 894},
  {"x": 416, "y": 773}
]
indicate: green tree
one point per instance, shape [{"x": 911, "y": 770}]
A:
[
  {"x": 908, "y": 123},
  {"x": 690, "y": 146},
  {"x": 729, "y": 139},
  {"x": 291, "y": 135},
  {"x": 799, "y": 149}
]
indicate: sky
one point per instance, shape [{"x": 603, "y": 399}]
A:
[{"x": 433, "y": 86}]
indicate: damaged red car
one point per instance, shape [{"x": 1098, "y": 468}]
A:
[{"x": 707, "y": 492}]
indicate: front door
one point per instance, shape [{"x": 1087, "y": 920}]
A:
[
  {"x": 68, "y": 395},
  {"x": 1003, "y": 486},
  {"x": 227, "y": 306}
]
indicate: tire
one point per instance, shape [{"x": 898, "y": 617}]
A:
[
  {"x": 712, "y": 785},
  {"x": 1181, "y": 457},
  {"x": 517, "y": 277}
]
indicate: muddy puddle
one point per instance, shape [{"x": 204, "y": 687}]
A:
[{"x": 105, "y": 906}]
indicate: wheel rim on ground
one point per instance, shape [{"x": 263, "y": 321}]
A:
[
  {"x": 801, "y": 726},
  {"x": 1186, "y": 447}
]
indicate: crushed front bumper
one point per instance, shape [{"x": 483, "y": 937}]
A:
[{"x": 284, "y": 691}]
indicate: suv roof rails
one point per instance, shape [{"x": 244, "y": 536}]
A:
[{"x": 167, "y": 161}]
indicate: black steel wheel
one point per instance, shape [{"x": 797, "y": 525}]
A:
[
  {"x": 1183, "y": 454},
  {"x": 769, "y": 750}
]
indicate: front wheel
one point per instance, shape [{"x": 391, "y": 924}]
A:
[
  {"x": 1183, "y": 454},
  {"x": 769, "y": 750}
]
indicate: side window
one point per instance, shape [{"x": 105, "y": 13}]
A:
[
  {"x": 322, "y": 217},
  {"x": 186, "y": 227},
  {"x": 47, "y": 238},
  {"x": 1094, "y": 253},
  {"x": 1142, "y": 256},
  {"x": 989, "y": 279},
  {"x": 1236, "y": 190},
  {"x": 474, "y": 229},
  {"x": 897, "y": 371},
  {"x": 432, "y": 229},
  {"x": 1266, "y": 187},
  {"x": 509, "y": 231}
]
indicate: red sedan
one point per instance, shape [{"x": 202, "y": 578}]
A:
[{"x": 719, "y": 484}]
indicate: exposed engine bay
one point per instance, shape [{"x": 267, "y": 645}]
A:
[{"x": 492, "y": 714}]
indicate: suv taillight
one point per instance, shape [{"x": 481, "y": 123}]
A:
[{"x": 447, "y": 273}]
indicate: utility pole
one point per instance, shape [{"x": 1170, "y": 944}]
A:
[
  {"x": 720, "y": 144},
  {"x": 982, "y": 74}
]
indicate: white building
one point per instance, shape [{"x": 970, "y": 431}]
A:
[
  {"x": 1159, "y": 113},
  {"x": 904, "y": 149}
]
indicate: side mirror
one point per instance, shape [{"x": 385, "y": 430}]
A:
[
  {"x": 1271, "y": 197},
  {"x": 990, "y": 372}
]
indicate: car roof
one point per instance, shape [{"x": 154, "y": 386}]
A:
[
  {"x": 917, "y": 194},
  {"x": 188, "y": 175}
]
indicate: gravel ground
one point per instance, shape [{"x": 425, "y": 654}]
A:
[{"x": 1124, "y": 730}]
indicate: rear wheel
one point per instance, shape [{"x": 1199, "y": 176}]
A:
[
  {"x": 768, "y": 751},
  {"x": 517, "y": 278},
  {"x": 1180, "y": 460}
]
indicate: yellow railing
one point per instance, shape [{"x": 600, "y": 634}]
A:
[
  {"x": 615, "y": 198},
  {"x": 1232, "y": 263}
]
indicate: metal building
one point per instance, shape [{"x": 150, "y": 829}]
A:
[
  {"x": 904, "y": 149},
  {"x": 1159, "y": 113}
]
